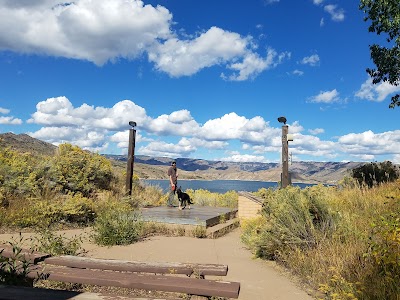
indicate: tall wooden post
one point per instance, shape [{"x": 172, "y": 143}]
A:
[
  {"x": 131, "y": 155},
  {"x": 285, "y": 157}
]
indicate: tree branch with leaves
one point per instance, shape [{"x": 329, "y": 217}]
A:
[{"x": 385, "y": 18}]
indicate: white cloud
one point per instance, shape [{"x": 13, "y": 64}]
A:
[
  {"x": 370, "y": 143},
  {"x": 316, "y": 131},
  {"x": 312, "y": 60},
  {"x": 104, "y": 31},
  {"x": 376, "y": 92},
  {"x": 318, "y": 2},
  {"x": 160, "y": 148},
  {"x": 313, "y": 146},
  {"x": 177, "y": 123},
  {"x": 96, "y": 31},
  {"x": 94, "y": 140},
  {"x": 4, "y": 111},
  {"x": 59, "y": 111},
  {"x": 10, "y": 121},
  {"x": 215, "y": 46},
  {"x": 253, "y": 64},
  {"x": 96, "y": 128},
  {"x": 326, "y": 97},
  {"x": 231, "y": 126},
  {"x": 337, "y": 14},
  {"x": 245, "y": 158},
  {"x": 298, "y": 73},
  {"x": 322, "y": 22}
]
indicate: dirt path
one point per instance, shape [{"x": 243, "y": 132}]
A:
[{"x": 260, "y": 280}]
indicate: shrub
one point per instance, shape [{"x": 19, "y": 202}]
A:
[
  {"x": 47, "y": 241},
  {"x": 117, "y": 228},
  {"x": 81, "y": 171},
  {"x": 372, "y": 174},
  {"x": 13, "y": 270},
  {"x": 383, "y": 277},
  {"x": 292, "y": 218},
  {"x": 206, "y": 198}
]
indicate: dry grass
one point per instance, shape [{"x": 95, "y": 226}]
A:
[{"x": 357, "y": 257}]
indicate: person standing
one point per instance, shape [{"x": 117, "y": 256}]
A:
[{"x": 173, "y": 182}]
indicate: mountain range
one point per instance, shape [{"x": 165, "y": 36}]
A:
[{"x": 190, "y": 168}]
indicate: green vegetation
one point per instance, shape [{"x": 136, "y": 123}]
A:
[
  {"x": 13, "y": 270},
  {"x": 343, "y": 241},
  {"x": 373, "y": 174},
  {"x": 385, "y": 19}
]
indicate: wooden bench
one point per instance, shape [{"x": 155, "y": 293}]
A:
[{"x": 152, "y": 276}]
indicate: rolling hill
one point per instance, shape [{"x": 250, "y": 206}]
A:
[{"x": 190, "y": 168}]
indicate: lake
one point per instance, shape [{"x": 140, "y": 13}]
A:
[{"x": 218, "y": 186}]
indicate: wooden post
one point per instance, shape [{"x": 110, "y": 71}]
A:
[
  {"x": 131, "y": 155},
  {"x": 285, "y": 157}
]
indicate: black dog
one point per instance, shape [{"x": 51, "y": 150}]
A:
[{"x": 184, "y": 198}]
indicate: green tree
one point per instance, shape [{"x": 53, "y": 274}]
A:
[
  {"x": 374, "y": 173},
  {"x": 385, "y": 18}
]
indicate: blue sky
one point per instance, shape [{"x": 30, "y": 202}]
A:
[{"x": 202, "y": 79}]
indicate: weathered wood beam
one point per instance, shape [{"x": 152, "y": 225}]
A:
[
  {"x": 137, "y": 266},
  {"x": 166, "y": 283}
]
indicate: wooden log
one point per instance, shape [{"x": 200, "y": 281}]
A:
[
  {"x": 137, "y": 266},
  {"x": 22, "y": 255},
  {"x": 166, "y": 283}
]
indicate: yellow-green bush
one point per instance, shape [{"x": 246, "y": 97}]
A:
[
  {"x": 115, "y": 227},
  {"x": 206, "y": 198},
  {"x": 293, "y": 218},
  {"x": 81, "y": 171},
  {"x": 348, "y": 246}
]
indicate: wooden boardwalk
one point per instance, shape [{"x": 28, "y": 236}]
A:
[{"x": 198, "y": 215}]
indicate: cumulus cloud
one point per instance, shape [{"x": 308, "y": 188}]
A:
[
  {"x": 367, "y": 145},
  {"x": 59, "y": 111},
  {"x": 177, "y": 123},
  {"x": 326, "y": 97},
  {"x": 376, "y": 92},
  {"x": 104, "y": 31},
  {"x": 178, "y": 134},
  {"x": 316, "y": 131},
  {"x": 312, "y": 145},
  {"x": 4, "y": 111},
  {"x": 8, "y": 120},
  {"x": 231, "y": 126},
  {"x": 160, "y": 148}
]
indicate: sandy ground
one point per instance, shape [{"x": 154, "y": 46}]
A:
[{"x": 260, "y": 280}]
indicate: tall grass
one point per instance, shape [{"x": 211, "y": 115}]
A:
[{"x": 344, "y": 242}]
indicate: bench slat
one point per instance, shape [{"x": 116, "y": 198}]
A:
[
  {"x": 137, "y": 266},
  {"x": 164, "y": 283},
  {"x": 25, "y": 254}
]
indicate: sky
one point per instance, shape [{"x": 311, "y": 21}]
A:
[{"x": 202, "y": 79}]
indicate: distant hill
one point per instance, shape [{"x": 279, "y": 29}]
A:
[
  {"x": 190, "y": 168},
  {"x": 308, "y": 172},
  {"x": 26, "y": 144}
]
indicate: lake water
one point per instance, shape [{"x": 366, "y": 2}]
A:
[{"x": 218, "y": 186}]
